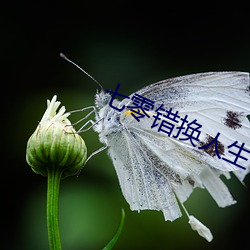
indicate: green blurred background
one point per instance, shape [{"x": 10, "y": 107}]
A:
[{"x": 124, "y": 42}]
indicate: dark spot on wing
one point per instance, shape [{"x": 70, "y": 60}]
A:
[
  {"x": 248, "y": 89},
  {"x": 191, "y": 181},
  {"x": 233, "y": 119},
  {"x": 211, "y": 149}
]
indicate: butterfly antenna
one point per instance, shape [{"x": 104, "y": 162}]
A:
[{"x": 68, "y": 60}]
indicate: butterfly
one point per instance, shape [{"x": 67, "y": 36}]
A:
[
  {"x": 159, "y": 171},
  {"x": 156, "y": 171}
]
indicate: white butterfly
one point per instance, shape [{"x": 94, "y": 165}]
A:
[{"x": 156, "y": 170}]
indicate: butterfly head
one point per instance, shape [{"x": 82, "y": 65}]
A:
[{"x": 102, "y": 99}]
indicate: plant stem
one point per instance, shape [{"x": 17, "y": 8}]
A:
[{"x": 54, "y": 177}]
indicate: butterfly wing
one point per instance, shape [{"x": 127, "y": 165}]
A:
[
  {"x": 220, "y": 101},
  {"x": 153, "y": 168},
  {"x": 143, "y": 186}
]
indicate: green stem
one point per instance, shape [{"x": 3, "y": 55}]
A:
[{"x": 54, "y": 177}]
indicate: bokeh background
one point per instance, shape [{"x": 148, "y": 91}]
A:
[{"x": 126, "y": 42}]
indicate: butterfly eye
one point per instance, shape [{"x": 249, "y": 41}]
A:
[{"x": 106, "y": 99}]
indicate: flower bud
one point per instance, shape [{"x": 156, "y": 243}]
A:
[{"x": 55, "y": 144}]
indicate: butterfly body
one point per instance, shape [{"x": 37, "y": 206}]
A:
[{"x": 109, "y": 118}]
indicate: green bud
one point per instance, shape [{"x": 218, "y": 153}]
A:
[{"x": 55, "y": 144}]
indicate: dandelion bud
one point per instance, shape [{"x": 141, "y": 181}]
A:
[{"x": 55, "y": 143}]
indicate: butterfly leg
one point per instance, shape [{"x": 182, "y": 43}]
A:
[
  {"x": 83, "y": 109},
  {"x": 96, "y": 152},
  {"x": 92, "y": 154},
  {"x": 81, "y": 129},
  {"x": 86, "y": 116}
]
